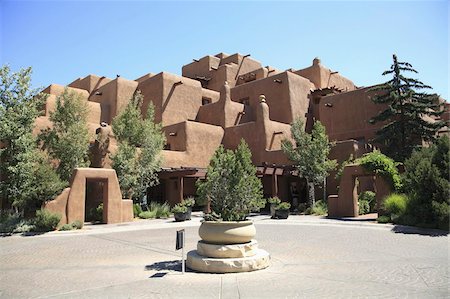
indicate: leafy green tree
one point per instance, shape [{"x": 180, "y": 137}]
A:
[
  {"x": 27, "y": 180},
  {"x": 427, "y": 184},
  {"x": 407, "y": 112},
  {"x": 231, "y": 184},
  {"x": 140, "y": 142},
  {"x": 68, "y": 140},
  {"x": 309, "y": 152}
]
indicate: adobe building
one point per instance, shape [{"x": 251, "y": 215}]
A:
[{"x": 222, "y": 99}]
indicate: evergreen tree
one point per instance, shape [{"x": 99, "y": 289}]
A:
[
  {"x": 68, "y": 140},
  {"x": 27, "y": 180},
  {"x": 309, "y": 154},
  {"x": 140, "y": 142},
  {"x": 407, "y": 112},
  {"x": 231, "y": 184}
]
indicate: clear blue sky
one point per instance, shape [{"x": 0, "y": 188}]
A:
[{"x": 65, "y": 40}]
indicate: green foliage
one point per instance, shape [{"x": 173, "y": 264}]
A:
[
  {"x": 427, "y": 183},
  {"x": 148, "y": 214},
  {"x": 384, "y": 219},
  {"x": 160, "y": 210},
  {"x": 405, "y": 117},
  {"x": 341, "y": 167},
  {"x": 68, "y": 140},
  {"x": 231, "y": 184},
  {"x": 46, "y": 221},
  {"x": 383, "y": 165},
  {"x": 137, "y": 168},
  {"x": 77, "y": 224},
  {"x": 189, "y": 202},
  {"x": 309, "y": 154},
  {"x": 274, "y": 200},
  {"x": 367, "y": 202},
  {"x": 396, "y": 205},
  {"x": 27, "y": 178},
  {"x": 283, "y": 206},
  {"x": 137, "y": 209},
  {"x": 66, "y": 227},
  {"x": 179, "y": 208},
  {"x": 319, "y": 208},
  {"x": 96, "y": 214}
]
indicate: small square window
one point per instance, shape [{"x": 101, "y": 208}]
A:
[{"x": 206, "y": 101}]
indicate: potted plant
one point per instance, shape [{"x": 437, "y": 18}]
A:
[
  {"x": 233, "y": 190},
  {"x": 180, "y": 212},
  {"x": 282, "y": 210},
  {"x": 273, "y": 201},
  {"x": 189, "y": 203}
]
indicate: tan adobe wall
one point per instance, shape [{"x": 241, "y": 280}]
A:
[
  {"x": 194, "y": 144},
  {"x": 323, "y": 77},
  {"x": 90, "y": 83},
  {"x": 346, "y": 115},
  {"x": 286, "y": 94}
]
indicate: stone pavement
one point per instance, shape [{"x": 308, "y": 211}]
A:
[{"x": 312, "y": 257}]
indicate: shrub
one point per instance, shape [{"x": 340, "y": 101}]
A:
[
  {"x": 46, "y": 221},
  {"x": 363, "y": 207},
  {"x": 396, "y": 205},
  {"x": 137, "y": 209},
  {"x": 66, "y": 227},
  {"x": 384, "y": 219},
  {"x": 189, "y": 202},
  {"x": 161, "y": 210},
  {"x": 302, "y": 207},
  {"x": 96, "y": 214},
  {"x": 179, "y": 208},
  {"x": 148, "y": 214},
  {"x": 77, "y": 224},
  {"x": 283, "y": 206},
  {"x": 383, "y": 165},
  {"x": 274, "y": 200},
  {"x": 231, "y": 184},
  {"x": 368, "y": 196},
  {"x": 319, "y": 208}
]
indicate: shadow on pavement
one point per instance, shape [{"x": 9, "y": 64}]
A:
[
  {"x": 410, "y": 230},
  {"x": 166, "y": 265}
]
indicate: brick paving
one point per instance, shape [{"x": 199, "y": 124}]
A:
[{"x": 312, "y": 257}]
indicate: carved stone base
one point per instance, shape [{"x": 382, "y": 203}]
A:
[
  {"x": 200, "y": 263},
  {"x": 227, "y": 251}
]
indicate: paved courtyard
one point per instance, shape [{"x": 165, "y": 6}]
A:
[{"x": 311, "y": 258}]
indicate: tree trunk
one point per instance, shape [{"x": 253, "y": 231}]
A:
[{"x": 311, "y": 193}]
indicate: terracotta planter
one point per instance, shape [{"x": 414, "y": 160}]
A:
[{"x": 227, "y": 232}]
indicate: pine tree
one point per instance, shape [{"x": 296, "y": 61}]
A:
[
  {"x": 407, "y": 112},
  {"x": 140, "y": 142},
  {"x": 309, "y": 154}
]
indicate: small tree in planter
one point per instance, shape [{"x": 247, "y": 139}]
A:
[
  {"x": 282, "y": 210},
  {"x": 233, "y": 189},
  {"x": 189, "y": 202}
]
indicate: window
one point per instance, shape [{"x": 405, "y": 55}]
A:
[{"x": 206, "y": 101}]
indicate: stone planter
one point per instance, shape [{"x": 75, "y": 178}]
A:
[
  {"x": 189, "y": 212},
  {"x": 272, "y": 210},
  {"x": 227, "y": 232},
  {"x": 281, "y": 214},
  {"x": 179, "y": 217}
]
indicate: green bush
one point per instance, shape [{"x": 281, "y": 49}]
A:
[
  {"x": 283, "y": 206},
  {"x": 369, "y": 196},
  {"x": 383, "y": 165},
  {"x": 96, "y": 214},
  {"x": 364, "y": 207},
  {"x": 66, "y": 227},
  {"x": 396, "y": 206},
  {"x": 384, "y": 219},
  {"x": 189, "y": 202},
  {"x": 274, "y": 200},
  {"x": 161, "y": 210},
  {"x": 77, "y": 224},
  {"x": 137, "y": 209},
  {"x": 148, "y": 214},
  {"x": 179, "y": 208},
  {"x": 12, "y": 222},
  {"x": 46, "y": 221},
  {"x": 302, "y": 207},
  {"x": 319, "y": 208}
]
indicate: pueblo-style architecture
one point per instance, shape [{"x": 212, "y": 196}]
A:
[{"x": 222, "y": 99}]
